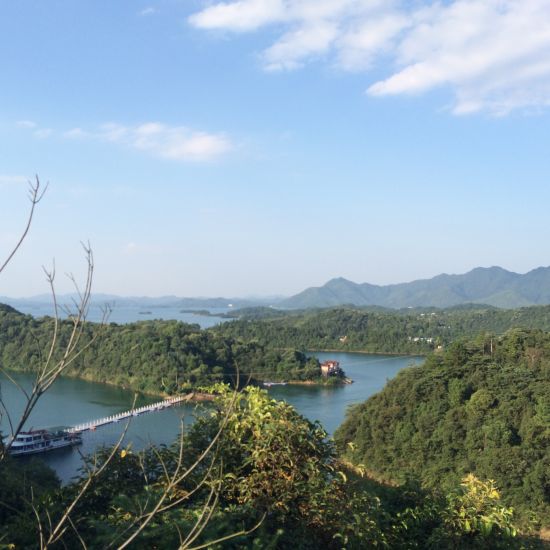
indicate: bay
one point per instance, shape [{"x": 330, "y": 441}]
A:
[
  {"x": 71, "y": 401},
  {"x": 328, "y": 404},
  {"x": 123, "y": 314}
]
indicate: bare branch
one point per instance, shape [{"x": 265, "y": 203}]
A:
[
  {"x": 54, "y": 363},
  {"x": 35, "y": 196},
  {"x": 178, "y": 476},
  {"x": 51, "y": 369},
  {"x": 57, "y": 531}
]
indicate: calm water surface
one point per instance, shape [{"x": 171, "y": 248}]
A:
[
  {"x": 72, "y": 401},
  {"x": 131, "y": 314},
  {"x": 328, "y": 404}
]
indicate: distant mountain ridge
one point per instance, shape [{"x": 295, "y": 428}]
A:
[
  {"x": 483, "y": 285},
  {"x": 138, "y": 301},
  {"x": 493, "y": 286}
]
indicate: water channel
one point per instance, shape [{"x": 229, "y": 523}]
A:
[{"x": 72, "y": 401}]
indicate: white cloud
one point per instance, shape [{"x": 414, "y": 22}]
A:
[
  {"x": 161, "y": 140},
  {"x": 37, "y": 132},
  {"x": 359, "y": 47},
  {"x": 244, "y": 15},
  {"x": 299, "y": 45},
  {"x": 170, "y": 142},
  {"x": 493, "y": 54}
]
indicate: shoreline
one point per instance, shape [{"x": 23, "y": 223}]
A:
[
  {"x": 343, "y": 382},
  {"x": 198, "y": 395},
  {"x": 194, "y": 395},
  {"x": 365, "y": 352}
]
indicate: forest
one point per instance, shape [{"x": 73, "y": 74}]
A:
[
  {"x": 377, "y": 330},
  {"x": 451, "y": 454},
  {"x": 152, "y": 356},
  {"x": 482, "y": 406},
  {"x": 250, "y": 473}
]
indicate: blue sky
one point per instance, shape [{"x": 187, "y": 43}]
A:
[{"x": 262, "y": 146}]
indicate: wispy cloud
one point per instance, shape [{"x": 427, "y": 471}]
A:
[
  {"x": 154, "y": 138},
  {"x": 75, "y": 133},
  {"x": 147, "y": 11},
  {"x": 37, "y": 131},
  {"x": 168, "y": 142},
  {"x": 493, "y": 54}
]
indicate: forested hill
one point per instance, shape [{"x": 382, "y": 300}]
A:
[
  {"x": 481, "y": 407},
  {"x": 153, "y": 356},
  {"x": 380, "y": 331},
  {"x": 493, "y": 286}
]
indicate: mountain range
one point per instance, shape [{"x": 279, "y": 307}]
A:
[{"x": 492, "y": 286}]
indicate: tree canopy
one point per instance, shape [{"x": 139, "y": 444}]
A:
[
  {"x": 481, "y": 407},
  {"x": 151, "y": 356}
]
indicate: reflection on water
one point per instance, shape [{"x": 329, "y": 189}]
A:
[{"x": 71, "y": 401}]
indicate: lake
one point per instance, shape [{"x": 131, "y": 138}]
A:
[
  {"x": 72, "y": 401},
  {"x": 130, "y": 314}
]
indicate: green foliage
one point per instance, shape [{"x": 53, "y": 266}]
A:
[
  {"x": 476, "y": 513},
  {"x": 151, "y": 356},
  {"x": 284, "y": 467},
  {"x": 269, "y": 466},
  {"x": 23, "y": 484},
  {"x": 382, "y": 331},
  {"x": 482, "y": 406},
  {"x": 467, "y": 410}
]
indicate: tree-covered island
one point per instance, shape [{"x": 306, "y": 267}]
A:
[{"x": 163, "y": 357}]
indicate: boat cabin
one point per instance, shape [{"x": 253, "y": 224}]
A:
[{"x": 38, "y": 441}]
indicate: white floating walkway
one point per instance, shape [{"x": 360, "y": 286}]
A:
[{"x": 93, "y": 424}]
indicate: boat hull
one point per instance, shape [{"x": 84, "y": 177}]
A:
[{"x": 42, "y": 441}]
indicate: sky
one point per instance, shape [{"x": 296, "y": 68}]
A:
[{"x": 259, "y": 147}]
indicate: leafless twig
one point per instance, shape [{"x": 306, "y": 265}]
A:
[{"x": 35, "y": 196}]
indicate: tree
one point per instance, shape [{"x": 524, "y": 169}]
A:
[{"x": 53, "y": 523}]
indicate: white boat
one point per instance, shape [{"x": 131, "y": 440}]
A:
[{"x": 40, "y": 441}]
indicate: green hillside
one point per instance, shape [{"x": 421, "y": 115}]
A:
[
  {"x": 151, "y": 356},
  {"x": 482, "y": 407},
  {"x": 380, "y": 331},
  {"x": 493, "y": 286}
]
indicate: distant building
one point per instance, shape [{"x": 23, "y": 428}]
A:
[{"x": 331, "y": 368}]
